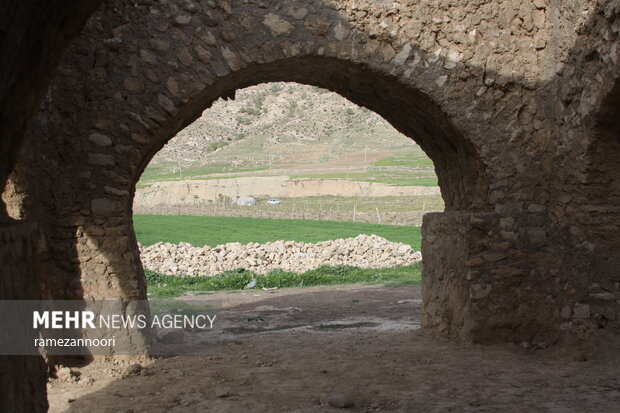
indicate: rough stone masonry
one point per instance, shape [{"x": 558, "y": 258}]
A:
[{"x": 516, "y": 102}]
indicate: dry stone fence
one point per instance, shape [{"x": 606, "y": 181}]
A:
[
  {"x": 364, "y": 251},
  {"x": 516, "y": 102}
]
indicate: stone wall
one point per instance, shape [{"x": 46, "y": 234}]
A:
[
  {"x": 22, "y": 378},
  {"x": 444, "y": 282},
  {"x": 32, "y": 43},
  {"x": 520, "y": 282},
  {"x": 32, "y": 40},
  {"x": 497, "y": 295}
]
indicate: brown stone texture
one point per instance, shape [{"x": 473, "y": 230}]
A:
[
  {"x": 22, "y": 378},
  {"x": 516, "y": 102},
  {"x": 32, "y": 40}
]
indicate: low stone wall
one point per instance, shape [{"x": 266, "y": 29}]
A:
[{"x": 365, "y": 251}]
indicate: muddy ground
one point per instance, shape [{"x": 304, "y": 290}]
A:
[{"x": 352, "y": 348}]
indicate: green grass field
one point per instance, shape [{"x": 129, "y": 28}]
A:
[
  {"x": 200, "y": 231},
  {"x": 415, "y": 158},
  {"x": 424, "y": 178},
  {"x": 212, "y": 231},
  {"x": 162, "y": 172},
  {"x": 164, "y": 286}
]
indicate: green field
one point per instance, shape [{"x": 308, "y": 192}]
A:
[
  {"x": 390, "y": 176},
  {"x": 162, "y": 172},
  {"x": 412, "y": 159},
  {"x": 424, "y": 178},
  {"x": 163, "y": 286},
  {"x": 212, "y": 231}
]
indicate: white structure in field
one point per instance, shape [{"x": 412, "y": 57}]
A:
[{"x": 246, "y": 200}]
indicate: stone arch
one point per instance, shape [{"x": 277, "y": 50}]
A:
[
  {"x": 504, "y": 76},
  {"x": 140, "y": 72},
  {"x": 108, "y": 120},
  {"x": 461, "y": 173}
]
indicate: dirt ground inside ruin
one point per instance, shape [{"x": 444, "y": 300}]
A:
[{"x": 357, "y": 348}]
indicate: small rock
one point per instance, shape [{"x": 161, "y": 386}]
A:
[
  {"x": 604, "y": 296},
  {"x": 68, "y": 374},
  {"x": 100, "y": 139},
  {"x": 221, "y": 392},
  {"x": 338, "y": 400},
  {"x": 277, "y": 25},
  {"x": 133, "y": 369},
  {"x": 479, "y": 291},
  {"x": 581, "y": 311},
  {"x": 182, "y": 20}
]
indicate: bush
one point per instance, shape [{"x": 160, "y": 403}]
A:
[
  {"x": 250, "y": 111},
  {"x": 217, "y": 145}
]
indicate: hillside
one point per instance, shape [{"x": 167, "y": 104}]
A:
[{"x": 294, "y": 130}]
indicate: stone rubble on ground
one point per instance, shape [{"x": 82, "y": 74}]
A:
[{"x": 365, "y": 251}]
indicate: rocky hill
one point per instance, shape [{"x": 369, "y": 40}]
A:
[{"x": 288, "y": 129}]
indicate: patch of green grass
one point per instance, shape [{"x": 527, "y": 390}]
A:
[
  {"x": 425, "y": 178},
  {"x": 165, "y": 286},
  {"x": 162, "y": 173},
  {"x": 355, "y": 176},
  {"x": 415, "y": 160},
  {"x": 401, "y": 283},
  {"x": 418, "y": 181},
  {"x": 212, "y": 231}
]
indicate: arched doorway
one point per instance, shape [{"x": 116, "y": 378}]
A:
[{"x": 98, "y": 139}]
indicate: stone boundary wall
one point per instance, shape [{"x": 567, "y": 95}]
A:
[{"x": 364, "y": 251}]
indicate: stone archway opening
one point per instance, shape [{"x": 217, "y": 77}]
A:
[
  {"x": 461, "y": 174},
  {"x": 291, "y": 152},
  {"x": 103, "y": 261}
]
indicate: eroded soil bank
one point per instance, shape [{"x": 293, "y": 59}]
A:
[{"x": 352, "y": 347}]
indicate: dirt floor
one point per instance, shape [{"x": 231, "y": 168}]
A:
[{"x": 355, "y": 348}]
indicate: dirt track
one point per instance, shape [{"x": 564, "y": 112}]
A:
[{"x": 348, "y": 347}]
